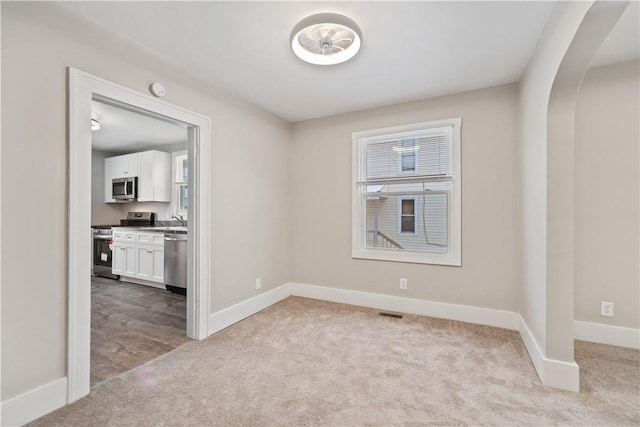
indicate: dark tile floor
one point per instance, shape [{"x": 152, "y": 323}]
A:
[{"x": 132, "y": 324}]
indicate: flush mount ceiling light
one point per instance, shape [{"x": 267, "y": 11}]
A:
[{"x": 326, "y": 39}]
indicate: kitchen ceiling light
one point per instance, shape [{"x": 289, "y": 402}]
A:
[
  {"x": 95, "y": 125},
  {"x": 326, "y": 39}
]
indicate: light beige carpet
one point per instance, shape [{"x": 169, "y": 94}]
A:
[{"x": 306, "y": 362}]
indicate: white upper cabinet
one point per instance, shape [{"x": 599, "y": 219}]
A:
[
  {"x": 125, "y": 166},
  {"x": 153, "y": 169},
  {"x": 154, "y": 176}
]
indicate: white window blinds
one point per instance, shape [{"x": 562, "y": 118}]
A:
[{"x": 409, "y": 157}]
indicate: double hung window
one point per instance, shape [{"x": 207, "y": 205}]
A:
[
  {"x": 181, "y": 183},
  {"x": 406, "y": 193}
]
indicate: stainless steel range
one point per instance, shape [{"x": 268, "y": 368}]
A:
[
  {"x": 101, "y": 239},
  {"x": 139, "y": 219}
]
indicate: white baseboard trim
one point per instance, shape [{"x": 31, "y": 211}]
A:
[
  {"x": 464, "y": 313},
  {"x": 483, "y": 316},
  {"x": 534, "y": 350},
  {"x": 35, "y": 403},
  {"x": 606, "y": 334},
  {"x": 552, "y": 372},
  {"x": 562, "y": 375},
  {"x": 230, "y": 315}
]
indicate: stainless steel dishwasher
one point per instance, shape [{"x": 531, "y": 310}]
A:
[{"x": 175, "y": 262}]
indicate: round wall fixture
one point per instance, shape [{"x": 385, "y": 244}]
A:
[
  {"x": 157, "y": 89},
  {"x": 326, "y": 39}
]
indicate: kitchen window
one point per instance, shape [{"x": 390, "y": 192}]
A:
[
  {"x": 181, "y": 183},
  {"x": 406, "y": 202}
]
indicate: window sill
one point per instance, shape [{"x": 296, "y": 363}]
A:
[{"x": 407, "y": 257}]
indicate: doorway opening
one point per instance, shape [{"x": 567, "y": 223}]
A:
[
  {"x": 84, "y": 91},
  {"x": 139, "y": 266}
]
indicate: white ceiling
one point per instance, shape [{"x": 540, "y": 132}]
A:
[
  {"x": 123, "y": 131},
  {"x": 410, "y": 51}
]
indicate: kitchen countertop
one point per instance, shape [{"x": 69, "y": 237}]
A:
[
  {"x": 159, "y": 229},
  {"x": 166, "y": 229}
]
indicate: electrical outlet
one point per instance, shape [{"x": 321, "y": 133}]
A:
[
  {"x": 606, "y": 309},
  {"x": 403, "y": 284},
  {"x": 258, "y": 283}
]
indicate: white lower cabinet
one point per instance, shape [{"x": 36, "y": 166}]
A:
[
  {"x": 124, "y": 258},
  {"x": 143, "y": 261},
  {"x": 150, "y": 262}
]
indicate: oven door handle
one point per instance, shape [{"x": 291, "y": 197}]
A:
[{"x": 102, "y": 237}]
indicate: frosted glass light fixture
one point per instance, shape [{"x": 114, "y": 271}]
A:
[{"x": 326, "y": 39}]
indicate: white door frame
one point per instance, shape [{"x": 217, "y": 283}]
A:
[{"x": 83, "y": 88}]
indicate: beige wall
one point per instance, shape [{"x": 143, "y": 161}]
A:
[
  {"x": 606, "y": 202},
  {"x": 321, "y": 203},
  {"x": 249, "y": 167}
]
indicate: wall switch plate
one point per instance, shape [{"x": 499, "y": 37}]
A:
[
  {"x": 606, "y": 309},
  {"x": 403, "y": 284},
  {"x": 258, "y": 283}
]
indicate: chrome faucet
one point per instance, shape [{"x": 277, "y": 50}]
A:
[{"x": 179, "y": 218}]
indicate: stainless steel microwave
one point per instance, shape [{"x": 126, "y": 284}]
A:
[{"x": 125, "y": 188}]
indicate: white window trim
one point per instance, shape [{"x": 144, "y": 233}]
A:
[
  {"x": 175, "y": 202},
  {"x": 453, "y": 257},
  {"x": 176, "y": 156},
  {"x": 183, "y": 213},
  {"x": 415, "y": 216}
]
